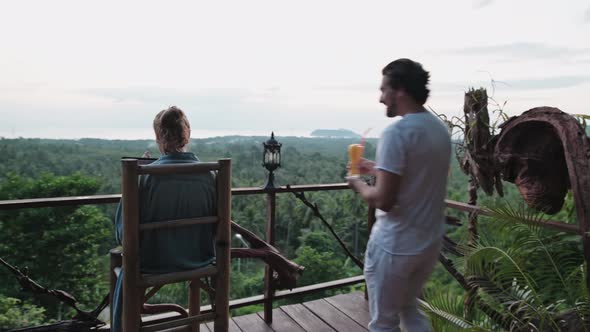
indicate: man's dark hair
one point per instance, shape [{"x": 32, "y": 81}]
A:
[{"x": 410, "y": 76}]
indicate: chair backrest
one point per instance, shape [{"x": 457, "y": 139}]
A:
[{"x": 134, "y": 283}]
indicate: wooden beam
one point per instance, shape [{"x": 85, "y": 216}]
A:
[
  {"x": 115, "y": 198},
  {"x": 223, "y": 246},
  {"x": 179, "y": 322},
  {"x": 133, "y": 295},
  {"x": 188, "y": 168},
  {"x": 178, "y": 223},
  {"x": 553, "y": 224},
  {"x": 58, "y": 201},
  {"x": 168, "y": 278},
  {"x": 259, "y": 299}
]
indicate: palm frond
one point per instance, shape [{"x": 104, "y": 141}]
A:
[
  {"x": 517, "y": 303},
  {"x": 550, "y": 255},
  {"x": 445, "y": 312},
  {"x": 506, "y": 213},
  {"x": 534, "y": 273},
  {"x": 508, "y": 285}
]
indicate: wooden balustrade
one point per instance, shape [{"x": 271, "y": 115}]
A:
[{"x": 269, "y": 294}]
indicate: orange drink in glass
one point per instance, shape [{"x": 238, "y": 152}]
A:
[{"x": 355, "y": 153}]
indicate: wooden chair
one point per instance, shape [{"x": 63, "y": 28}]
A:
[{"x": 135, "y": 283}]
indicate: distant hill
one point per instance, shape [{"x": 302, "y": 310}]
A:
[{"x": 337, "y": 133}]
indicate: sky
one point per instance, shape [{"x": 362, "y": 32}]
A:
[{"x": 72, "y": 69}]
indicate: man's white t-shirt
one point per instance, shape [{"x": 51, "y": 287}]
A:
[{"x": 418, "y": 148}]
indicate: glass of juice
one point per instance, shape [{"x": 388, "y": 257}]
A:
[{"x": 355, "y": 153}]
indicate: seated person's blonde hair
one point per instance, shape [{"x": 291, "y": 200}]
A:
[{"x": 172, "y": 130}]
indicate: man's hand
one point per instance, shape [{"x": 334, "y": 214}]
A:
[
  {"x": 367, "y": 167},
  {"x": 383, "y": 195},
  {"x": 354, "y": 182}
]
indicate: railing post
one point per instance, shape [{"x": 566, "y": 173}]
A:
[
  {"x": 223, "y": 246},
  {"x": 116, "y": 260},
  {"x": 268, "y": 272},
  {"x": 132, "y": 298},
  {"x": 370, "y": 222},
  {"x": 194, "y": 303}
]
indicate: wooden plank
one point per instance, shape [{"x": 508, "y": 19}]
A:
[
  {"x": 116, "y": 261},
  {"x": 115, "y": 198},
  {"x": 178, "y": 323},
  {"x": 131, "y": 315},
  {"x": 307, "y": 319},
  {"x": 352, "y": 305},
  {"x": 233, "y": 327},
  {"x": 269, "y": 291},
  {"x": 202, "y": 328},
  {"x": 290, "y": 189},
  {"x": 194, "y": 302},
  {"x": 223, "y": 244},
  {"x": 188, "y": 168},
  {"x": 110, "y": 199},
  {"x": 58, "y": 201},
  {"x": 282, "y": 322},
  {"x": 319, "y": 287},
  {"x": 333, "y": 317},
  {"x": 178, "y": 223},
  {"x": 148, "y": 280},
  {"x": 252, "y": 322},
  {"x": 258, "y": 299},
  {"x": 553, "y": 224},
  {"x": 464, "y": 207},
  {"x": 234, "y": 304}
]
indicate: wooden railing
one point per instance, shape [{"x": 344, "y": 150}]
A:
[{"x": 269, "y": 293}]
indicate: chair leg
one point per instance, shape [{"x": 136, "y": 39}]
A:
[
  {"x": 116, "y": 262},
  {"x": 221, "y": 304},
  {"x": 132, "y": 303},
  {"x": 194, "y": 303}
]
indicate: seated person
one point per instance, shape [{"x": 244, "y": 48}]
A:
[{"x": 169, "y": 197}]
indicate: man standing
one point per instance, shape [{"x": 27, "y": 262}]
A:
[{"x": 413, "y": 158}]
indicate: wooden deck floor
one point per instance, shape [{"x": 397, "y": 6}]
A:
[{"x": 342, "y": 313}]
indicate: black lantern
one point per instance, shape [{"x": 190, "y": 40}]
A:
[{"x": 271, "y": 159}]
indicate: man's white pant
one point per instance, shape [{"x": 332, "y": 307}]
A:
[{"x": 393, "y": 284}]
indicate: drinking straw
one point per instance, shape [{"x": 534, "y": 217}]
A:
[{"x": 363, "y": 136}]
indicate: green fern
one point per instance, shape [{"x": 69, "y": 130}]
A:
[
  {"x": 553, "y": 263},
  {"x": 556, "y": 255},
  {"x": 496, "y": 272},
  {"x": 533, "y": 277},
  {"x": 445, "y": 312}
]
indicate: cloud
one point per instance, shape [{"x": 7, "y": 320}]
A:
[
  {"x": 348, "y": 87},
  {"x": 543, "y": 83},
  {"x": 557, "y": 82},
  {"x": 170, "y": 96},
  {"x": 213, "y": 109},
  {"x": 478, "y": 4},
  {"x": 523, "y": 50}
]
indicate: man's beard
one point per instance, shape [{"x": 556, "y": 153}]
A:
[{"x": 391, "y": 111}]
